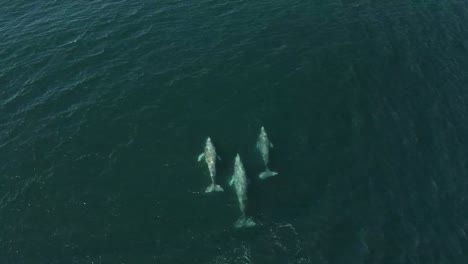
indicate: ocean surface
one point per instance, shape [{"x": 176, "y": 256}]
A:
[{"x": 106, "y": 105}]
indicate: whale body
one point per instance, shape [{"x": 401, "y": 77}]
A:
[
  {"x": 209, "y": 155},
  {"x": 239, "y": 181},
  {"x": 263, "y": 146}
]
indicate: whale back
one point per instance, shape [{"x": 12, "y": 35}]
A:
[
  {"x": 263, "y": 145},
  {"x": 239, "y": 177},
  {"x": 210, "y": 157}
]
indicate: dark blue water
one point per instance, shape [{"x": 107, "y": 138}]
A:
[{"x": 105, "y": 106}]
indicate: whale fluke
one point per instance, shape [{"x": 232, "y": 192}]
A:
[
  {"x": 267, "y": 174},
  {"x": 243, "y": 222},
  {"x": 214, "y": 188}
]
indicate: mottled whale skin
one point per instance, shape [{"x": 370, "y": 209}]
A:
[
  {"x": 239, "y": 181},
  {"x": 263, "y": 146},
  {"x": 209, "y": 155}
]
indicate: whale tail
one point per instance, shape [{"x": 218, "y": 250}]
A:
[
  {"x": 267, "y": 174},
  {"x": 243, "y": 222},
  {"x": 214, "y": 188}
]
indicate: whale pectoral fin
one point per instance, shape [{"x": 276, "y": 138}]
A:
[
  {"x": 257, "y": 145},
  {"x": 201, "y": 156},
  {"x": 219, "y": 158},
  {"x": 231, "y": 182},
  {"x": 271, "y": 145}
]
